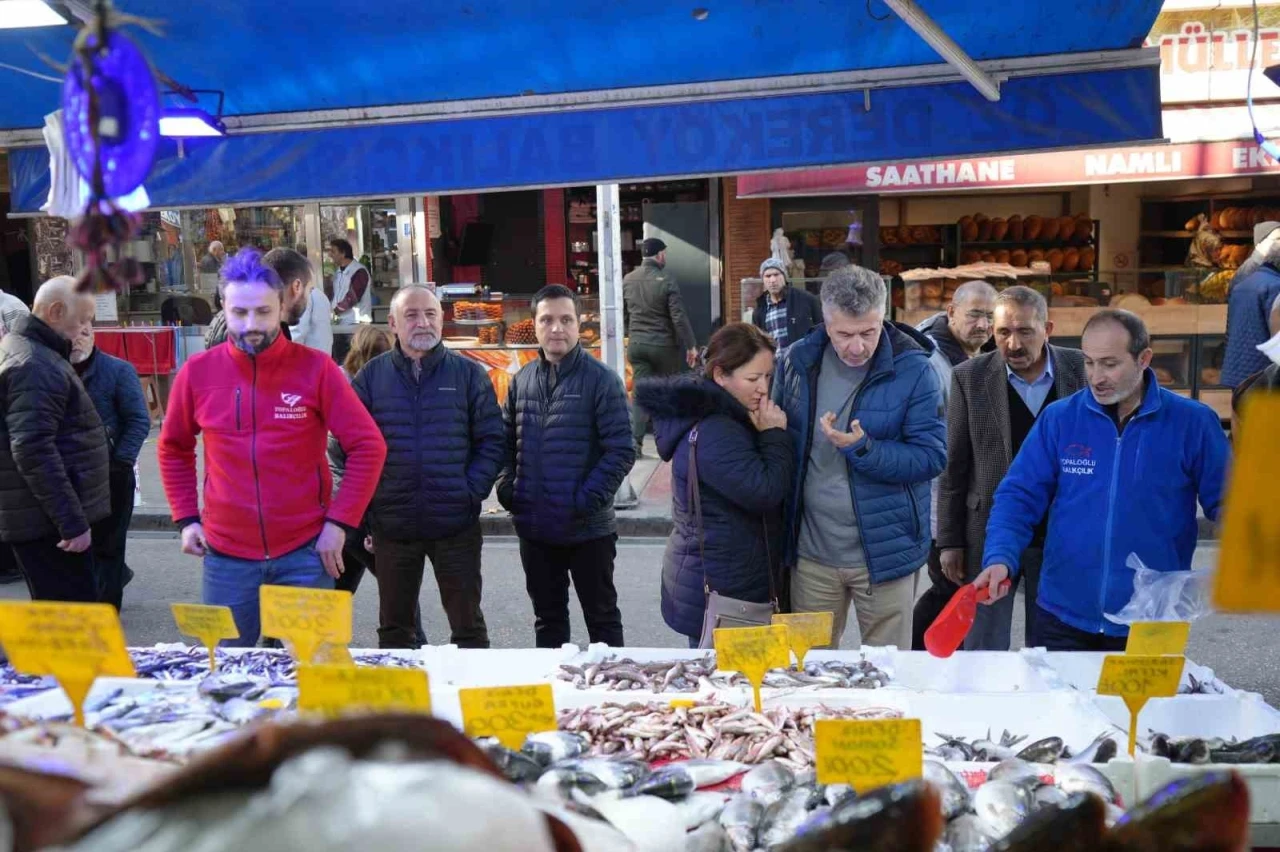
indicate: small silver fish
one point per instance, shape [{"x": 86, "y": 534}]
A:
[
  {"x": 784, "y": 817},
  {"x": 768, "y": 781},
  {"x": 953, "y": 792},
  {"x": 1084, "y": 778},
  {"x": 967, "y": 833},
  {"x": 1014, "y": 769},
  {"x": 741, "y": 820},
  {"x": 1001, "y": 806},
  {"x": 1047, "y": 795}
]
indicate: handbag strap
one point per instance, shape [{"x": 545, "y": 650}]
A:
[{"x": 693, "y": 491}]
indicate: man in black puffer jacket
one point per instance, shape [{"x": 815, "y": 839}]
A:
[
  {"x": 439, "y": 416},
  {"x": 54, "y": 460},
  {"x": 569, "y": 447}
]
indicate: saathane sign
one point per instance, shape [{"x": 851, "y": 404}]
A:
[{"x": 1064, "y": 168}]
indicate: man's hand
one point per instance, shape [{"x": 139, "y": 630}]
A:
[
  {"x": 193, "y": 542},
  {"x": 692, "y": 357},
  {"x": 79, "y": 544},
  {"x": 953, "y": 565},
  {"x": 995, "y": 579},
  {"x": 842, "y": 440},
  {"x": 329, "y": 545}
]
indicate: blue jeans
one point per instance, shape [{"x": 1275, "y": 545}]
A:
[{"x": 234, "y": 583}]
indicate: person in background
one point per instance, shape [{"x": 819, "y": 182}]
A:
[
  {"x": 960, "y": 332},
  {"x": 211, "y": 263},
  {"x": 352, "y": 285},
  {"x": 264, "y": 407},
  {"x": 295, "y": 271},
  {"x": 784, "y": 312},
  {"x": 116, "y": 392},
  {"x": 833, "y": 261},
  {"x": 11, "y": 307},
  {"x": 862, "y": 404},
  {"x": 995, "y": 400},
  {"x": 438, "y": 413},
  {"x": 660, "y": 336},
  {"x": 568, "y": 449},
  {"x": 55, "y": 493},
  {"x": 1253, "y": 290},
  {"x": 1119, "y": 470},
  {"x": 1267, "y": 375},
  {"x": 315, "y": 327},
  {"x": 745, "y": 465}
]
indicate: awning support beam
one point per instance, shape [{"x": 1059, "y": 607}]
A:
[{"x": 925, "y": 27}]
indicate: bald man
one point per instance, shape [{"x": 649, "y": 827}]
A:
[
  {"x": 212, "y": 262},
  {"x": 54, "y": 459}
]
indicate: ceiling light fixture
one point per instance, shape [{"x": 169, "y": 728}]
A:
[
  {"x": 23, "y": 14},
  {"x": 188, "y": 122}
]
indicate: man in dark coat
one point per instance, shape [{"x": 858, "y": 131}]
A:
[
  {"x": 53, "y": 449},
  {"x": 1253, "y": 290},
  {"x": 783, "y": 312},
  {"x": 568, "y": 449},
  {"x": 116, "y": 392},
  {"x": 439, "y": 416}
]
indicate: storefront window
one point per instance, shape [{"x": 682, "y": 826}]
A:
[
  {"x": 815, "y": 234},
  {"x": 370, "y": 227}
]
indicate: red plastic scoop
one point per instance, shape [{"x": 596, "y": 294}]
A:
[{"x": 948, "y": 630}]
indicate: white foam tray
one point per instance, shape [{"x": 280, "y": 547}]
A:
[
  {"x": 1080, "y": 670},
  {"x": 449, "y": 665},
  {"x": 1263, "y": 781},
  {"x": 970, "y": 672}
]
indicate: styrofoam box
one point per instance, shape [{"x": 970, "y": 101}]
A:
[
  {"x": 1241, "y": 716},
  {"x": 969, "y": 672},
  {"x": 1262, "y": 779},
  {"x": 449, "y": 665},
  {"x": 1080, "y": 669},
  {"x": 54, "y": 703}
]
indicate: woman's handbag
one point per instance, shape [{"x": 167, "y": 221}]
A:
[{"x": 722, "y": 611}]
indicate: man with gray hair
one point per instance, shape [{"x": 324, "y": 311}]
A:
[
  {"x": 862, "y": 406},
  {"x": 446, "y": 444},
  {"x": 54, "y": 486},
  {"x": 994, "y": 401}
]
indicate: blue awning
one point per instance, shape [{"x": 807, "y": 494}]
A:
[{"x": 275, "y": 62}]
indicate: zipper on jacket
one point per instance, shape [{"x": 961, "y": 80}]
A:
[
  {"x": 238, "y": 427},
  {"x": 320, "y": 487},
  {"x": 1106, "y": 554},
  {"x": 915, "y": 510},
  {"x": 853, "y": 497},
  {"x": 253, "y": 456}
]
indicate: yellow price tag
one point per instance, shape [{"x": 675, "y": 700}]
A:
[
  {"x": 1136, "y": 679},
  {"x": 75, "y": 643},
  {"x": 1156, "y": 638},
  {"x": 1248, "y": 575},
  {"x": 209, "y": 624},
  {"x": 334, "y": 655},
  {"x": 509, "y": 713},
  {"x": 335, "y": 690},
  {"x": 808, "y": 630},
  {"x": 868, "y": 753},
  {"x": 753, "y": 651},
  {"x": 306, "y": 618}
]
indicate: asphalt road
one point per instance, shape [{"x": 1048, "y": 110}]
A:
[{"x": 1243, "y": 650}]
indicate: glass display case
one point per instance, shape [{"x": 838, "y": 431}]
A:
[{"x": 503, "y": 321}]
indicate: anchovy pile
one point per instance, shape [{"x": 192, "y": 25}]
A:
[
  {"x": 1195, "y": 686},
  {"x": 712, "y": 731},
  {"x": 624, "y": 674},
  {"x": 1202, "y": 750},
  {"x": 1009, "y": 747}
]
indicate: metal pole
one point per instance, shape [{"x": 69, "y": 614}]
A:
[
  {"x": 918, "y": 19},
  {"x": 609, "y": 254}
]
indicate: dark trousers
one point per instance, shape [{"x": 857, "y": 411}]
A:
[
  {"x": 646, "y": 362},
  {"x": 56, "y": 575},
  {"x": 111, "y": 536},
  {"x": 1053, "y": 634},
  {"x": 456, "y": 561},
  {"x": 547, "y": 569},
  {"x": 355, "y": 562},
  {"x": 930, "y": 604}
]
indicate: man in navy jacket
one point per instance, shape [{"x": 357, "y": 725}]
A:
[
  {"x": 1119, "y": 470},
  {"x": 568, "y": 449},
  {"x": 439, "y": 416}
]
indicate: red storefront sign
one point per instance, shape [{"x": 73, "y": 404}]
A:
[{"x": 1061, "y": 168}]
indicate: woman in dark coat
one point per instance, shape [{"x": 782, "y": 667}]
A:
[{"x": 745, "y": 466}]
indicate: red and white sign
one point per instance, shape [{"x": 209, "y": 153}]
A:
[{"x": 1081, "y": 166}]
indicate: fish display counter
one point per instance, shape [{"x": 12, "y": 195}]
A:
[{"x": 662, "y": 737}]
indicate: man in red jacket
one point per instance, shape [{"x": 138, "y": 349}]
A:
[{"x": 265, "y": 406}]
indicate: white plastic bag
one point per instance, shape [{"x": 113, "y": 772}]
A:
[{"x": 1164, "y": 595}]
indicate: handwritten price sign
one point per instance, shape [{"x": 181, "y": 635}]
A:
[
  {"x": 509, "y": 713},
  {"x": 209, "y": 624},
  {"x": 1155, "y": 638},
  {"x": 753, "y": 651},
  {"x": 306, "y": 618},
  {"x": 808, "y": 630},
  {"x": 1137, "y": 679},
  {"x": 337, "y": 690},
  {"x": 868, "y": 753},
  {"x": 75, "y": 643}
]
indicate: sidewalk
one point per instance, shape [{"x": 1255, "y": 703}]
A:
[{"x": 650, "y": 518}]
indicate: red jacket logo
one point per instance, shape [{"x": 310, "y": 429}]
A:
[{"x": 290, "y": 399}]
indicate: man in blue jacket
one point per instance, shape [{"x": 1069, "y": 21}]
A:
[
  {"x": 862, "y": 404},
  {"x": 1253, "y": 290},
  {"x": 116, "y": 392},
  {"x": 439, "y": 415},
  {"x": 569, "y": 447},
  {"x": 1119, "y": 470}
]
